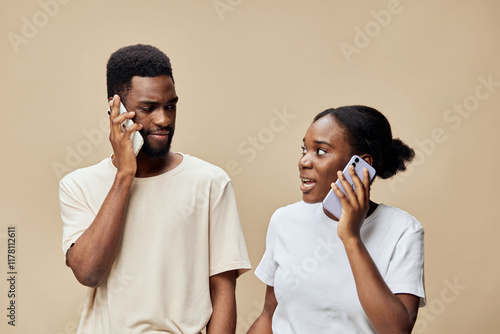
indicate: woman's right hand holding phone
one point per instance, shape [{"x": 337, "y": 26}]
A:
[{"x": 355, "y": 204}]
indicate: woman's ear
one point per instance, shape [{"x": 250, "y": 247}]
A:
[{"x": 368, "y": 158}]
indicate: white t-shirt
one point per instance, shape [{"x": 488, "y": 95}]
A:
[
  {"x": 306, "y": 263},
  {"x": 181, "y": 228}
]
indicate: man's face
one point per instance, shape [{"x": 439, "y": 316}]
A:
[
  {"x": 325, "y": 152},
  {"x": 154, "y": 101}
]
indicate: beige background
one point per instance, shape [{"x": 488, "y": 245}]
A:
[{"x": 237, "y": 65}]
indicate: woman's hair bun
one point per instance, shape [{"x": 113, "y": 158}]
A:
[
  {"x": 368, "y": 131},
  {"x": 396, "y": 159}
]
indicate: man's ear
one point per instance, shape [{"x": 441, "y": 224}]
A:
[{"x": 368, "y": 158}]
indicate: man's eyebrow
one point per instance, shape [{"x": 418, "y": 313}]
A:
[{"x": 174, "y": 100}]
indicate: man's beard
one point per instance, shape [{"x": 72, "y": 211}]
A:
[{"x": 160, "y": 152}]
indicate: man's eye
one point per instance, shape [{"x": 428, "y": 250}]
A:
[
  {"x": 172, "y": 107},
  {"x": 304, "y": 150},
  {"x": 321, "y": 151},
  {"x": 148, "y": 109}
]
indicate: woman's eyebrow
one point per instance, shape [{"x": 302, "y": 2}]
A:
[{"x": 323, "y": 142}]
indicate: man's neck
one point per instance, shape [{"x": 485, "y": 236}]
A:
[{"x": 147, "y": 167}]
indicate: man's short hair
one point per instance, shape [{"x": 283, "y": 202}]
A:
[{"x": 134, "y": 60}]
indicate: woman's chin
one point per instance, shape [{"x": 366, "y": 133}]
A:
[{"x": 310, "y": 199}]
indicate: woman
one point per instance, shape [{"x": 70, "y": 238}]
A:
[{"x": 361, "y": 273}]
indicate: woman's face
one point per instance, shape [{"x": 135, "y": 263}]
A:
[{"x": 325, "y": 152}]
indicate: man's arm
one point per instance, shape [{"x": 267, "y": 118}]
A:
[
  {"x": 222, "y": 293},
  {"x": 93, "y": 254}
]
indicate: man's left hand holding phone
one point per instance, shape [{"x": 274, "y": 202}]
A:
[{"x": 124, "y": 136}]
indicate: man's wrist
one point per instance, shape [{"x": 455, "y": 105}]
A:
[{"x": 124, "y": 178}]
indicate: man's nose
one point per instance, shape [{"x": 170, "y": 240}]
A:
[{"x": 162, "y": 118}]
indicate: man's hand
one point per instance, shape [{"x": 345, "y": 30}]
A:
[{"x": 124, "y": 156}]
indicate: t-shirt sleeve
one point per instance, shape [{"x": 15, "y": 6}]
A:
[
  {"x": 227, "y": 244},
  {"x": 406, "y": 269},
  {"x": 75, "y": 213},
  {"x": 267, "y": 267}
]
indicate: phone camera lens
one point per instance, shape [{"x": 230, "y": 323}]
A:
[
  {"x": 356, "y": 160},
  {"x": 354, "y": 164}
]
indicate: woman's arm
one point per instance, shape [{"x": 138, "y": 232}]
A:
[
  {"x": 387, "y": 312},
  {"x": 263, "y": 324}
]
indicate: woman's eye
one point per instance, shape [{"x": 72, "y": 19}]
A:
[
  {"x": 321, "y": 151},
  {"x": 304, "y": 150}
]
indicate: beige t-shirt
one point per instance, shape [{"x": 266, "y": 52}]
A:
[{"x": 181, "y": 228}]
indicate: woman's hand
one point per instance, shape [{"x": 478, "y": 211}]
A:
[{"x": 355, "y": 204}]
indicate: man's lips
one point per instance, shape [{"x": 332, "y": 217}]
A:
[
  {"x": 307, "y": 184},
  {"x": 159, "y": 135}
]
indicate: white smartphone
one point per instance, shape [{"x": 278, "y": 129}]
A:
[
  {"x": 135, "y": 137},
  {"x": 331, "y": 201}
]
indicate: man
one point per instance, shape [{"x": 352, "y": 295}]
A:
[{"x": 156, "y": 237}]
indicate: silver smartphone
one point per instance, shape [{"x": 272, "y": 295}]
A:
[
  {"x": 331, "y": 201},
  {"x": 135, "y": 137}
]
